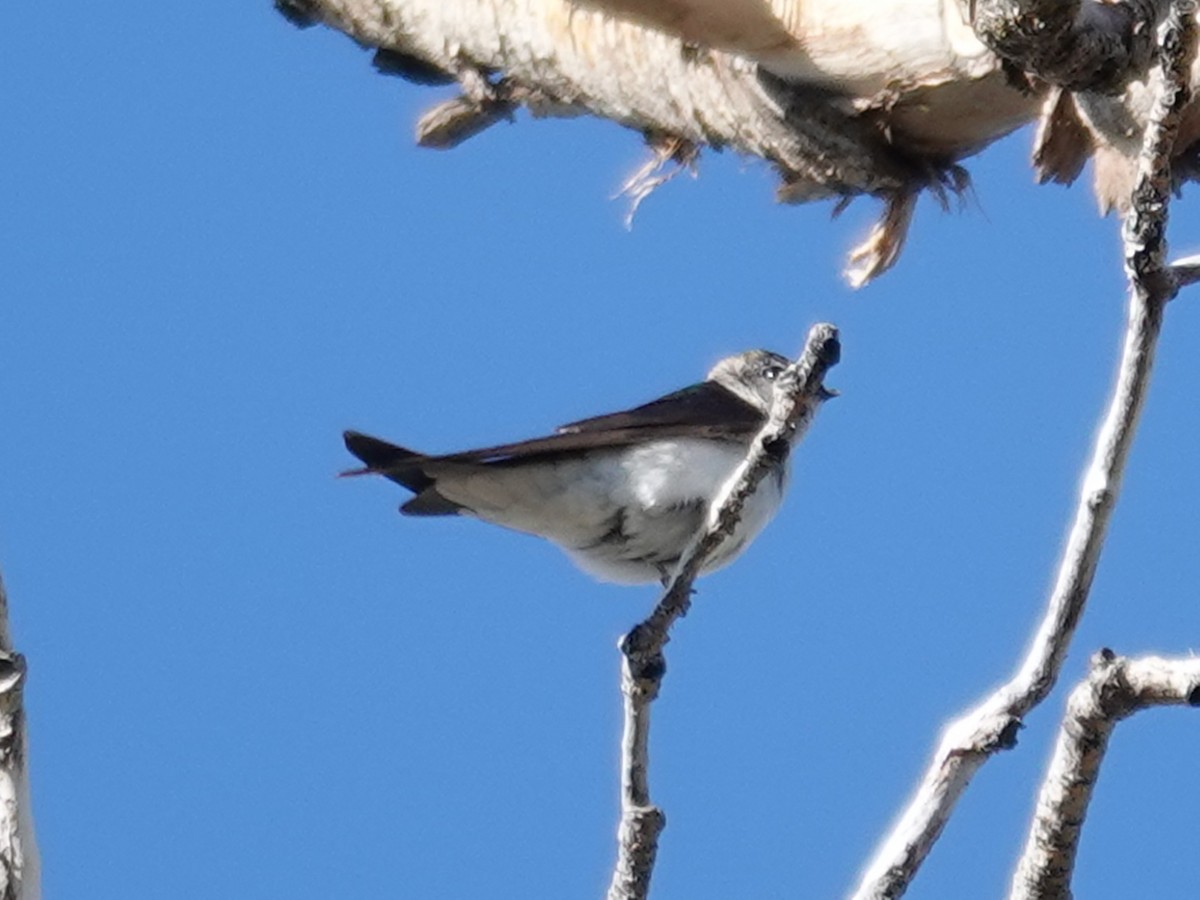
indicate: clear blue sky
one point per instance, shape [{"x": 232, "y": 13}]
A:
[{"x": 219, "y": 247}]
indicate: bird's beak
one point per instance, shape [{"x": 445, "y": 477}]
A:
[{"x": 827, "y": 393}]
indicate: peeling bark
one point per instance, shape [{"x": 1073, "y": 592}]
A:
[
  {"x": 844, "y": 98},
  {"x": 837, "y": 116},
  {"x": 1115, "y": 689},
  {"x": 1077, "y": 44},
  {"x": 970, "y": 740},
  {"x": 19, "y": 864},
  {"x": 1100, "y": 56}
]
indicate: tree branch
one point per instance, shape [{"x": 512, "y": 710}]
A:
[
  {"x": 1115, "y": 688},
  {"x": 1185, "y": 270},
  {"x": 565, "y": 61},
  {"x": 992, "y": 725},
  {"x": 19, "y": 864},
  {"x": 887, "y": 120},
  {"x": 798, "y": 393},
  {"x": 1078, "y": 44}
]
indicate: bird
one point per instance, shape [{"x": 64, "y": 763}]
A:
[{"x": 624, "y": 494}]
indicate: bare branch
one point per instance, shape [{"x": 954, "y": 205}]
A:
[
  {"x": 1062, "y": 144},
  {"x": 1115, "y": 688},
  {"x": 798, "y": 393},
  {"x": 836, "y": 113},
  {"x": 1185, "y": 270},
  {"x": 19, "y": 864},
  {"x": 992, "y": 725},
  {"x": 669, "y": 157},
  {"x": 563, "y": 60},
  {"x": 1078, "y": 44},
  {"x": 882, "y": 246},
  {"x": 1145, "y": 226}
]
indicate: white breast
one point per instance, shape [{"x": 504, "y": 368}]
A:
[
  {"x": 664, "y": 495},
  {"x": 623, "y": 514}
]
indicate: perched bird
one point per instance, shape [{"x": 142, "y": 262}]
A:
[{"x": 623, "y": 494}]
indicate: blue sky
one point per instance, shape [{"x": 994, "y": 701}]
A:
[{"x": 219, "y": 247}]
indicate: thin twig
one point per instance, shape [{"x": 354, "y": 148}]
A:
[
  {"x": 1115, "y": 688},
  {"x": 798, "y": 393},
  {"x": 1186, "y": 270},
  {"x": 992, "y": 725}
]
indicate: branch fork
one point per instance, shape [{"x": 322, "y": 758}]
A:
[
  {"x": 992, "y": 725},
  {"x": 1114, "y": 689}
]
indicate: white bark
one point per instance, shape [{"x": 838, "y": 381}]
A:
[
  {"x": 1115, "y": 689},
  {"x": 882, "y": 99},
  {"x": 798, "y": 393},
  {"x": 20, "y": 876},
  {"x": 1103, "y": 53},
  {"x": 842, "y": 97},
  {"x": 991, "y": 726},
  {"x": 876, "y": 97},
  {"x": 556, "y": 59}
]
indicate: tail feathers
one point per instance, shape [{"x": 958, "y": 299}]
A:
[
  {"x": 401, "y": 465},
  {"x": 430, "y": 503}
]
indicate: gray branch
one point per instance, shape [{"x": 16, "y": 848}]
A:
[
  {"x": 889, "y": 128},
  {"x": 843, "y": 98},
  {"x": 505, "y": 56},
  {"x": 1186, "y": 270},
  {"x": 992, "y": 725},
  {"x": 798, "y": 393},
  {"x": 19, "y": 864},
  {"x": 1078, "y": 44},
  {"x": 1115, "y": 689}
]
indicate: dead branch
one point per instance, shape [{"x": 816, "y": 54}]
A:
[
  {"x": 842, "y": 99},
  {"x": 1115, "y": 688},
  {"x": 992, "y": 726},
  {"x": 835, "y": 117},
  {"x": 556, "y": 59},
  {"x": 798, "y": 394},
  {"x": 1103, "y": 53},
  {"x": 20, "y": 875},
  {"x": 1078, "y": 44},
  {"x": 1186, "y": 270}
]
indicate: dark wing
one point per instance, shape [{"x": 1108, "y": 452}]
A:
[
  {"x": 704, "y": 405},
  {"x": 404, "y": 467},
  {"x": 398, "y": 463},
  {"x": 703, "y": 410}
]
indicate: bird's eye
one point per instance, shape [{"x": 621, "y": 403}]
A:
[{"x": 772, "y": 372}]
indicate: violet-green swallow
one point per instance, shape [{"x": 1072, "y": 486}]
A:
[{"x": 623, "y": 494}]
